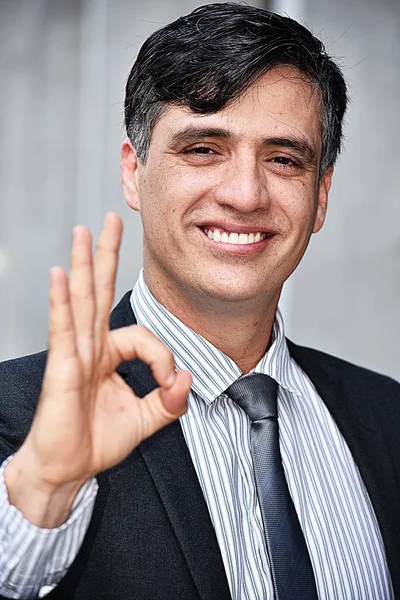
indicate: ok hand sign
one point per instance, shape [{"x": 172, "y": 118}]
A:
[{"x": 88, "y": 419}]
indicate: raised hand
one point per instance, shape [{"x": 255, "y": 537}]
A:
[{"x": 88, "y": 419}]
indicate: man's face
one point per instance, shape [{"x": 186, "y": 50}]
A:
[{"x": 229, "y": 200}]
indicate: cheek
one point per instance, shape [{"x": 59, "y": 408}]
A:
[
  {"x": 161, "y": 209},
  {"x": 168, "y": 186},
  {"x": 296, "y": 204},
  {"x": 153, "y": 194}
]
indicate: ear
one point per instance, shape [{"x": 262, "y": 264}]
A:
[
  {"x": 323, "y": 192},
  {"x": 129, "y": 175}
]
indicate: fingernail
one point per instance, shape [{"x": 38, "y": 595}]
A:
[
  {"x": 76, "y": 232},
  {"x": 170, "y": 380}
]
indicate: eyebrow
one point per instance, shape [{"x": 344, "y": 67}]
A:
[
  {"x": 299, "y": 145},
  {"x": 192, "y": 134}
]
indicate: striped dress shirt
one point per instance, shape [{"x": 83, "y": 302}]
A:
[{"x": 332, "y": 504}]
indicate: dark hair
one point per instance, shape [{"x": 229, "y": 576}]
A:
[{"x": 209, "y": 57}]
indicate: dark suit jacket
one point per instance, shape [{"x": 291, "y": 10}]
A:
[{"x": 151, "y": 536}]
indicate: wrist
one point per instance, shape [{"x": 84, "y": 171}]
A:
[{"x": 44, "y": 504}]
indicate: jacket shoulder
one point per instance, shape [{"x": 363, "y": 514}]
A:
[
  {"x": 20, "y": 385},
  {"x": 351, "y": 376}
]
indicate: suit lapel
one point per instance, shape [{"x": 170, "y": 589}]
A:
[
  {"x": 363, "y": 433},
  {"x": 169, "y": 463},
  {"x": 168, "y": 460}
]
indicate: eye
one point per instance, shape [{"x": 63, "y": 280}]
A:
[
  {"x": 199, "y": 150},
  {"x": 201, "y": 155},
  {"x": 285, "y": 161}
]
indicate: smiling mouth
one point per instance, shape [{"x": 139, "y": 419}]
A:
[{"x": 218, "y": 235}]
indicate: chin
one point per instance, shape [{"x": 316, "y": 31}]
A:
[{"x": 230, "y": 292}]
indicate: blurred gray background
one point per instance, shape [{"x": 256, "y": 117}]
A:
[{"x": 63, "y": 66}]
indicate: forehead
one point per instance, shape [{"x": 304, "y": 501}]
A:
[{"x": 281, "y": 102}]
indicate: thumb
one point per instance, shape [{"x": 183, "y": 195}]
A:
[
  {"x": 165, "y": 405},
  {"x": 174, "y": 398}
]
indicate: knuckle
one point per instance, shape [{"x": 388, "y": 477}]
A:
[
  {"x": 159, "y": 350},
  {"x": 61, "y": 326},
  {"x": 81, "y": 264},
  {"x": 81, "y": 294},
  {"x": 108, "y": 286},
  {"x": 140, "y": 332},
  {"x": 103, "y": 246},
  {"x": 60, "y": 332}
]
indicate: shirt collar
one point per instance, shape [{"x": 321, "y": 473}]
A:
[{"x": 212, "y": 371}]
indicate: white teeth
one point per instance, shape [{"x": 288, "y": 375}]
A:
[
  {"x": 235, "y": 238},
  {"x": 225, "y": 237}
]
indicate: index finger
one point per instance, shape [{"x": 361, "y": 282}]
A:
[{"x": 136, "y": 341}]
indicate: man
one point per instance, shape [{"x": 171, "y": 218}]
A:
[{"x": 234, "y": 121}]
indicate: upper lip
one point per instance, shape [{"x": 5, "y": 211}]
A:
[{"x": 234, "y": 228}]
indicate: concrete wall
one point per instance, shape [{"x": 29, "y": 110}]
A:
[
  {"x": 63, "y": 65},
  {"x": 345, "y": 296}
]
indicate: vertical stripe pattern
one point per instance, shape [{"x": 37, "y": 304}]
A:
[
  {"x": 291, "y": 569},
  {"x": 33, "y": 559},
  {"x": 334, "y": 509}
]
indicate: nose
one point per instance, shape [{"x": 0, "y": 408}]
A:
[{"x": 242, "y": 185}]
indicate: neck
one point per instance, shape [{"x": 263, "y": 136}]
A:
[{"x": 241, "y": 330}]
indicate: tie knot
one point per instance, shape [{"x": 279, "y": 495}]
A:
[{"x": 256, "y": 394}]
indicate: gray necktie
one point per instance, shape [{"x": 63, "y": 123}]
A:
[{"x": 292, "y": 573}]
